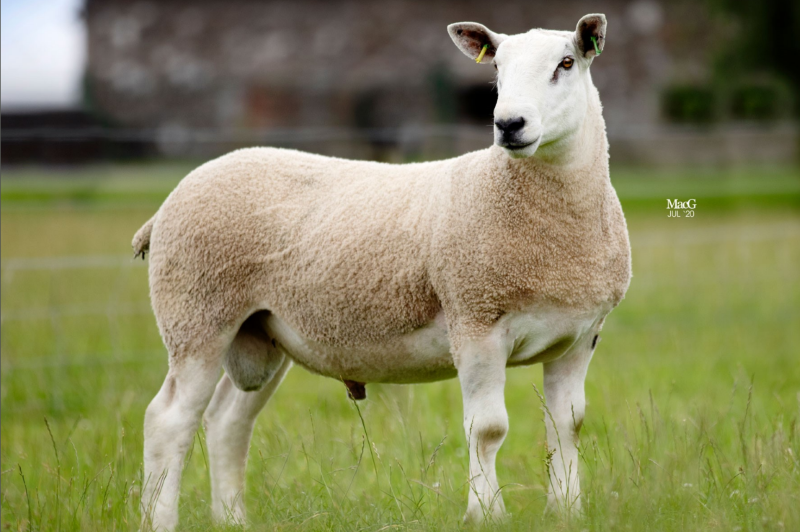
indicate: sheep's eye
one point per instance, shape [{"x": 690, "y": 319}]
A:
[
  {"x": 495, "y": 66},
  {"x": 567, "y": 63}
]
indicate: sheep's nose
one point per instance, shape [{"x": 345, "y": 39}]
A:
[{"x": 512, "y": 125}]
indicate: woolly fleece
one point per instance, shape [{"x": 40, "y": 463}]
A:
[{"x": 354, "y": 254}]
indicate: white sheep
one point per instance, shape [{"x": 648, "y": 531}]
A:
[{"x": 371, "y": 272}]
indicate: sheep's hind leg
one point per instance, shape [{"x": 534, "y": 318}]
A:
[
  {"x": 229, "y": 422},
  {"x": 170, "y": 423},
  {"x": 253, "y": 362}
]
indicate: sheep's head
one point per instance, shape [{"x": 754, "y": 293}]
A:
[{"x": 543, "y": 81}]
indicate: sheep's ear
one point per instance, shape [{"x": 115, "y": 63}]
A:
[
  {"x": 470, "y": 37},
  {"x": 593, "y": 25}
]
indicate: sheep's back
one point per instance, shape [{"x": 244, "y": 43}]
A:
[{"x": 336, "y": 248}]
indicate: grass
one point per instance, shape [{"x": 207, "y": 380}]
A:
[{"x": 693, "y": 394}]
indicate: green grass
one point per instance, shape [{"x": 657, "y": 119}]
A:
[{"x": 693, "y": 394}]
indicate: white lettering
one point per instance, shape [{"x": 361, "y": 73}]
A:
[{"x": 677, "y": 204}]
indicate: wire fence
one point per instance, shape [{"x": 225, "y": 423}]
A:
[
  {"x": 663, "y": 145},
  {"x": 75, "y": 145},
  {"x": 678, "y": 248}
]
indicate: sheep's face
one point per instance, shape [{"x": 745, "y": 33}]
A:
[{"x": 543, "y": 82}]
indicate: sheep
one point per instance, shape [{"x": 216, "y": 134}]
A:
[{"x": 369, "y": 272}]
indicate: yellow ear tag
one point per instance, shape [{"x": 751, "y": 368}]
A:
[{"x": 483, "y": 52}]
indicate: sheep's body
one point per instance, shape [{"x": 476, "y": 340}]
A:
[
  {"x": 370, "y": 272},
  {"x": 374, "y": 272},
  {"x": 330, "y": 246},
  {"x": 362, "y": 266}
]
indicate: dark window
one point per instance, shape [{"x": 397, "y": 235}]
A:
[{"x": 476, "y": 103}]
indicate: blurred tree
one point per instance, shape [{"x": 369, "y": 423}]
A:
[
  {"x": 443, "y": 90},
  {"x": 765, "y": 41},
  {"x": 688, "y": 104}
]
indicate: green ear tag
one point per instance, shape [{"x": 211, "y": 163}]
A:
[{"x": 597, "y": 50}]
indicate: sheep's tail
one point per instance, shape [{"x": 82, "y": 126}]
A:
[{"x": 141, "y": 240}]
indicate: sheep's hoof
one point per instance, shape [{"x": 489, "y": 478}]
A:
[{"x": 356, "y": 390}]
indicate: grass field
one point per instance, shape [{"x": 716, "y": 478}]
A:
[{"x": 693, "y": 394}]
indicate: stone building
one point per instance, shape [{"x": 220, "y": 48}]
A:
[{"x": 338, "y": 68}]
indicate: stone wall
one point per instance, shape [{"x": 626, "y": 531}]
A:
[
  {"x": 218, "y": 67},
  {"x": 249, "y": 64}
]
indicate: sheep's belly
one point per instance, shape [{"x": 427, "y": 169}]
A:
[
  {"x": 422, "y": 355},
  {"x": 543, "y": 334},
  {"x": 531, "y": 336}
]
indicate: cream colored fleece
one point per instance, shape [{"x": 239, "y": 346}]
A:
[{"x": 353, "y": 253}]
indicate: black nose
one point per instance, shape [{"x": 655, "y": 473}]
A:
[{"x": 510, "y": 126}]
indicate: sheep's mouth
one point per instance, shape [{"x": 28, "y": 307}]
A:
[
  {"x": 513, "y": 146},
  {"x": 518, "y": 146}
]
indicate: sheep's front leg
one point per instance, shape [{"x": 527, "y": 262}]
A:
[
  {"x": 482, "y": 372},
  {"x": 566, "y": 404}
]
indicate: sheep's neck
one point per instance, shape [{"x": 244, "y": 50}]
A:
[
  {"x": 575, "y": 187},
  {"x": 580, "y": 147},
  {"x": 583, "y": 163}
]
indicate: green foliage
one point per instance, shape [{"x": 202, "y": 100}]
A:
[
  {"x": 692, "y": 416},
  {"x": 689, "y": 104},
  {"x": 763, "y": 41},
  {"x": 759, "y": 102}
]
